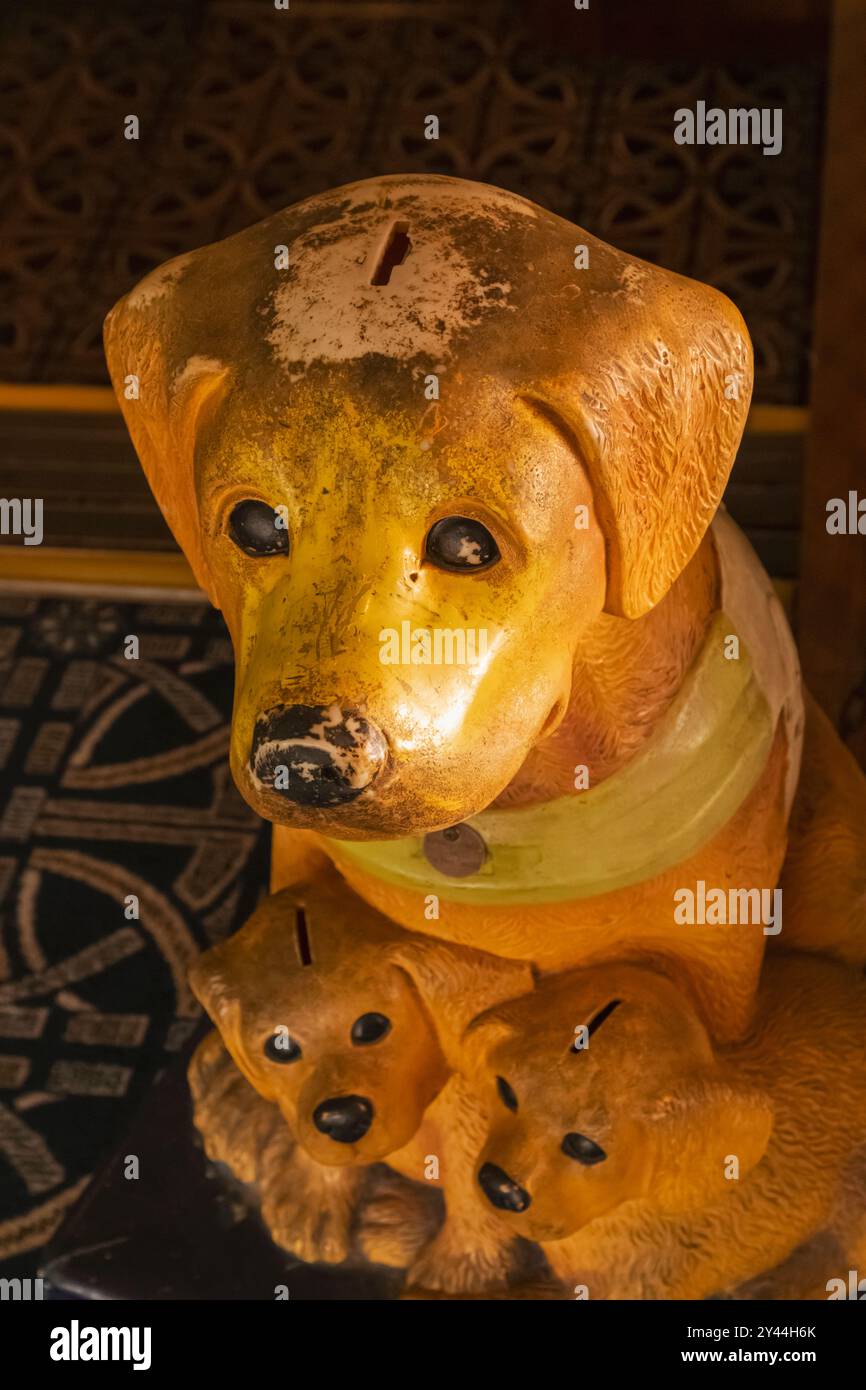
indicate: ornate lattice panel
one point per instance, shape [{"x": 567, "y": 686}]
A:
[{"x": 244, "y": 109}]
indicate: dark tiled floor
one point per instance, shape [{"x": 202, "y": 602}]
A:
[{"x": 113, "y": 781}]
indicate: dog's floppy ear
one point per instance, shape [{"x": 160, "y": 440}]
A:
[
  {"x": 212, "y": 987},
  {"x": 457, "y": 984},
  {"x": 209, "y": 981},
  {"x": 705, "y": 1135},
  {"x": 164, "y": 395},
  {"x": 482, "y": 1035},
  {"x": 656, "y": 409}
]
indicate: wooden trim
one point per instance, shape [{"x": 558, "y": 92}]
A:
[
  {"x": 101, "y": 400},
  {"x": 832, "y": 594},
  {"x": 59, "y": 400},
  {"x": 118, "y": 569},
  {"x": 777, "y": 419},
  {"x": 786, "y": 592},
  {"x": 156, "y": 575}
]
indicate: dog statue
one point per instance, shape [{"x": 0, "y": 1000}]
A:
[
  {"x": 452, "y": 469},
  {"x": 653, "y": 1165},
  {"x": 352, "y": 1028}
]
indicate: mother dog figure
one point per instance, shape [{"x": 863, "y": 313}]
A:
[{"x": 452, "y": 470}]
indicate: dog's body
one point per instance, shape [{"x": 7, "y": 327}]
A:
[
  {"x": 683, "y": 1191},
  {"x": 407, "y": 409}
]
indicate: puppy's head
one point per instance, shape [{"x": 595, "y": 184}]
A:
[
  {"x": 322, "y": 1020},
  {"x": 602, "y": 1087},
  {"x": 414, "y": 436}
]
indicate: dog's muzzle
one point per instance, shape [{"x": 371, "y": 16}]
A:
[
  {"x": 501, "y": 1190},
  {"x": 344, "y": 1119},
  {"x": 316, "y": 755}
]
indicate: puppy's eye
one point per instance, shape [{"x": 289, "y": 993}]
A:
[
  {"x": 585, "y": 1150},
  {"x": 279, "y": 1047},
  {"x": 369, "y": 1028},
  {"x": 460, "y": 544},
  {"x": 506, "y": 1095},
  {"x": 253, "y": 527}
]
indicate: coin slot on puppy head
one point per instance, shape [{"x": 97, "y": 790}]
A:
[
  {"x": 596, "y": 1021},
  {"x": 302, "y": 936},
  {"x": 253, "y": 528},
  {"x": 506, "y": 1094},
  {"x": 461, "y": 545},
  {"x": 394, "y": 252}
]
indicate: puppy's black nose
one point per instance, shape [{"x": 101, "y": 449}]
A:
[
  {"x": 345, "y": 1119},
  {"x": 502, "y": 1190},
  {"x": 316, "y": 755}
]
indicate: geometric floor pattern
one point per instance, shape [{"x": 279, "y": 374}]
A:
[{"x": 124, "y": 850}]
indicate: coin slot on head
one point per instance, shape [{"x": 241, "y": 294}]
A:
[
  {"x": 394, "y": 253},
  {"x": 303, "y": 937}
]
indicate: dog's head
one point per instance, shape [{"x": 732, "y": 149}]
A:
[
  {"x": 414, "y": 436},
  {"x": 602, "y": 1087},
  {"x": 347, "y": 1023},
  {"x": 321, "y": 1017}
]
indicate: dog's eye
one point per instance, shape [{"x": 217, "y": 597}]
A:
[
  {"x": 584, "y": 1150},
  {"x": 369, "y": 1028},
  {"x": 279, "y": 1047},
  {"x": 254, "y": 527},
  {"x": 460, "y": 544},
  {"x": 506, "y": 1095}
]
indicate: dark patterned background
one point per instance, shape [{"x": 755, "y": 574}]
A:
[
  {"x": 114, "y": 782},
  {"x": 244, "y": 109}
]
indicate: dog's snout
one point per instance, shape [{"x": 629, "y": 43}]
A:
[
  {"x": 344, "y": 1119},
  {"x": 316, "y": 755},
  {"x": 501, "y": 1190}
]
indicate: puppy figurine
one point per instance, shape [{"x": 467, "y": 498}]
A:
[
  {"x": 650, "y": 1164},
  {"x": 351, "y": 1027}
]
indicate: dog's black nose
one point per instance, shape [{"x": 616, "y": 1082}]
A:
[
  {"x": 502, "y": 1190},
  {"x": 316, "y": 755},
  {"x": 345, "y": 1119}
]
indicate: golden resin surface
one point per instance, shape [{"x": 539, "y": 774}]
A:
[{"x": 511, "y": 687}]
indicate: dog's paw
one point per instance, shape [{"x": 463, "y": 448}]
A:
[
  {"x": 309, "y": 1209},
  {"x": 307, "y": 1230},
  {"x": 394, "y": 1228},
  {"x": 333, "y": 1235},
  {"x": 449, "y": 1266}
]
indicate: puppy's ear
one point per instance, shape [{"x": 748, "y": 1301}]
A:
[
  {"x": 209, "y": 981},
  {"x": 457, "y": 984},
  {"x": 705, "y": 1135},
  {"x": 165, "y": 395},
  {"x": 656, "y": 414},
  {"x": 212, "y": 987},
  {"x": 480, "y": 1038}
]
